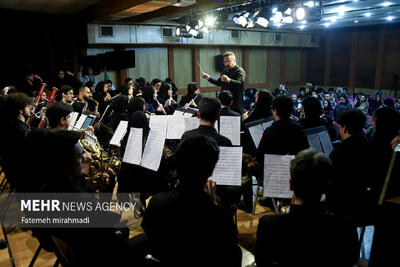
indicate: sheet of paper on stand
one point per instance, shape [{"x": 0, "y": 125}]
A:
[
  {"x": 80, "y": 122},
  {"x": 230, "y": 128},
  {"x": 153, "y": 150},
  {"x": 178, "y": 113},
  {"x": 313, "y": 140},
  {"x": 188, "y": 114},
  {"x": 159, "y": 123},
  {"x": 266, "y": 125},
  {"x": 176, "y": 127},
  {"x": 228, "y": 170},
  {"x": 133, "y": 150},
  {"x": 277, "y": 175},
  {"x": 326, "y": 142},
  {"x": 256, "y": 132},
  {"x": 119, "y": 133},
  {"x": 74, "y": 117},
  {"x": 191, "y": 123}
]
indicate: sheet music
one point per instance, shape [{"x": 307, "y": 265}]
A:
[
  {"x": 313, "y": 140},
  {"x": 159, "y": 123},
  {"x": 153, "y": 150},
  {"x": 178, "y": 113},
  {"x": 228, "y": 170},
  {"x": 277, "y": 175},
  {"x": 176, "y": 127},
  {"x": 230, "y": 128},
  {"x": 191, "y": 123},
  {"x": 326, "y": 142},
  {"x": 256, "y": 132},
  {"x": 216, "y": 126},
  {"x": 133, "y": 150},
  {"x": 74, "y": 116},
  {"x": 188, "y": 115},
  {"x": 119, "y": 133},
  {"x": 266, "y": 125},
  {"x": 80, "y": 122}
]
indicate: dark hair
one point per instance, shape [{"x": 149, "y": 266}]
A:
[
  {"x": 148, "y": 93},
  {"x": 353, "y": 119},
  {"x": 89, "y": 84},
  {"x": 136, "y": 104},
  {"x": 283, "y": 106},
  {"x": 387, "y": 122},
  {"x": 108, "y": 81},
  {"x": 56, "y": 112},
  {"x": 225, "y": 97},
  {"x": 312, "y": 107},
  {"x": 308, "y": 172},
  {"x": 329, "y": 104},
  {"x": 209, "y": 109},
  {"x": 163, "y": 92},
  {"x": 125, "y": 89},
  {"x": 63, "y": 90},
  {"x": 100, "y": 87},
  {"x": 188, "y": 155},
  {"x": 61, "y": 144},
  {"x": 127, "y": 80},
  {"x": 229, "y": 53},
  {"x": 191, "y": 88},
  {"x": 155, "y": 81},
  {"x": 14, "y": 103}
]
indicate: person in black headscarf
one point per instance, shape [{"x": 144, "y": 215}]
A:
[
  {"x": 312, "y": 113},
  {"x": 102, "y": 96},
  {"x": 165, "y": 98},
  {"x": 262, "y": 108},
  {"x": 119, "y": 105},
  {"x": 193, "y": 97},
  {"x": 150, "y": 97}
]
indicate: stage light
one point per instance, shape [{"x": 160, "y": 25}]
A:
[
  {"x": 309, "y": 4},
  {"x": 262, "y": 22},
  {"x": 278, "y": 25},
  {"x": 193, "y": 32},
  {"x": 356, "y": 21},
  {"x": 274, "y": 10},
  {"x": 209, "y": 21},
  {"x": 386, "y": 4},
  {"x": 302, "y": 27},
  {"x": 187, "y": 28},
  {"x": 277, "y": 17},
  {"x": 250, "y": 23},
  {"x": 390, "y": 18},
  {"x": 368, "y": 14},
  {"x": 287, "y": 20},
  {"x": 205, "y": 30},
  {"x": 341, "y": 10},
  {"x": 288, "y": 11},
  {"x": 303, "y": 21},
  {"x": 300, "y": 13},
  {"x": 332, "y": 19},
  {"x": 327, "y": 24},
  {"x": 240, "y": 20},
  {"x": 178, "y": 31},
  {"x": 199, "y": 24}
]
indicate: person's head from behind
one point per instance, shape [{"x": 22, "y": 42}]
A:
[
  {"x": 229, "y": 60},
  {"x": 386, "y": 123},
  {"x": 165, "y": 91},
  {"x": 17, "y": 106},
  {"x": 264, "y": 99},
  {"x": 126, "y": 89},
  {"x": 149, "y": 94},
  {"x": 137, "y": 104},
  {"x": 209, "y": 109},
  {"x": 156, "y": 83},
  {"x": 314, "y": 94},
  {"x": 351, "y": 123},
  {"x": 312, "y": 107},
  {"x": 193, "y": 89},
  {"x": 282, "y": 106},
  {"x": 226, "y": 98},
  {"x": 308, "y": 177},
  {"x": 84, "y": 93},
  {"x": 195, "y": 159},
  {"x": 59, "y": 116}
]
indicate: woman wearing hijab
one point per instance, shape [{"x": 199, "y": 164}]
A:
[
  {"x": 102, "y": 96},
  {"x": 119, "y": 106},
  {"x": 152, "y": 105},
  {"x": 165, "y": 98},
  {"x": 192, "y": 98},
  {"x": 261, "y": 109}
]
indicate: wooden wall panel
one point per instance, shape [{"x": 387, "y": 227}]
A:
[
  {"x": 182, "y": 66},
  {"x": 391, "y": 60},
  {"x": 207, "y": 62},
  {"x": 257, "y": 71},
  {"x": 340, "y": 58}
]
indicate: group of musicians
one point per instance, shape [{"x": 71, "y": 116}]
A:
[{"x": 189, "y": 220}]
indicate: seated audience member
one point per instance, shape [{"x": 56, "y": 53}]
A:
[
  {"x": 397, "y": 105},
  {"x": 261, "y": 109},
  {"x": 119, "y": 106},
  {"x": 296, "y": 106},
  {"x": 156, "y": 84},
  {"x": 360, "y": 103},
  {"x": 375, "y": 103},
  {"x": 165, "y": 98},
  {"x": 85, "y": 103},
  {"x": 348, "y": 194},
  {"x": 328, "y": 116},
  {"x": 152, "y": 106},
  {"x": 102, "y": 96},
  {"x": 89, "y": 76},
  {"x": 317, "y": 239},
  {"x": 311, "y": 108},
  {"x": 342, "y": 105},
  {"x": 226, "y": 99},
  {"x": 65, "y": 94},
  {"x": 283, "y": 137},
  {"x": 187, "y": 238},
  {"x": 192, "y": 98},
  {"x": 59, "y": 116}
]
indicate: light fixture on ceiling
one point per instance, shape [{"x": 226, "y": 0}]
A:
[
  {"x": 309, "y": 4},
  {"x": 341, "y": 10},
  {"x": 274, "y": 10},
  {"x": 327, "y": 24},
  {"x": 193, "y": 32},
  {"x": 356, "y": 21},
  {"x": 386, "y": 4},
  {"x": 332, "y": 19},
  {"x": 262, "y": 18},
  {"x": 241, "y": 19},
  {"x": 301, "y": 27},
  {"x": 288, "y": 11},
  {"x": 368, "y": 14},
  {"x": 390, "y": 18},
  {"x": 287, "y": 20},
  {"x": 277, "y": 17},
  {"x": 209, "y": 21},
  {"x": 300, "y": 13}
]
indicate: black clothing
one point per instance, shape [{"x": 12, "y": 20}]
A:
[
  {"x": 305, "y": 237},
  {"x": 308, "y": 123},
  {"x": 119, "y": 112},
  {"x": 169, "y": 109},
  {"x": 29, "y": 89},
  {"x": 373, "y": 105},
  {"x": 187, "y": 98},
  {"x": 99, "y": 97},
  {"x": 208, "y": 131},
  {"x": 226, "y": 111},
  {"x": 236, "y": 86},
  {"x": 204, "y": 237}
]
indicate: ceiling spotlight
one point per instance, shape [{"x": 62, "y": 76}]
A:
[
  {"x": 181, "y": 32},
  {"x": 205, "y": 30},
  {"x": 209, "y": 21},
  {"x": 303, "y": 21},
  {"x": 390, "y": 18},
  {"x": 199, "y": 25},
  {"x": 356, "y": 21},
  {"x": 250, "y": 23},
  {"x": 300, "y": 13},
  {"x": 327, "y": 24},
  {"x": 301, "y": 27},
  {"x": 355, "y": 1},
  {"x": 277, "y": 17},
  {"x": 274, "y": 10},
  {"x": 386, "y": 4},
  {"x": 332, "y": 19},
  {"x": 287, "y": 20},
  {"x": 278, "y": 25},
  {"x": 263, "y": 22},
  {"x": 341, "y": 10},
  {"x": 309, "y": 4},
  {"x": 368, "y": 14},
  {"x": 193, "y": 32},
  {"x": 240, "y": 20},
  {"x": 288, "y": 11},
  {"x": 178, "y": 31}
]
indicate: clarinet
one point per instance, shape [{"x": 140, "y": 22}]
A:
[{"x": 158, "y": 103}]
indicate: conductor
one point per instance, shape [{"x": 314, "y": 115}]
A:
[{"x": 232, "y": 79}]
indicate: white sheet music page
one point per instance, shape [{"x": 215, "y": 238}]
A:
[
  {"x": 74, "y": 115},
  {"x": 191, "y": 123},
  {"x": 326, "y": 142},
  {"x": 178, "y": 113},
  {"x": 133, "y": 150},
  {"x": 119, "y": 133},
  {"x": 228, "y": 170},
  {"x": 188, "y": 114},
  {"x": 277, "y": 175},
  {"x": 80, "y": 122},
  {"x": 313, "y": 140},
  {"x": 159, "y": 123},
  {"x": 256, "y": 132},
  {"x": 176, "y": 127},
  {"x": 266, "y": 125},
  {"x": 230, "y": 128},
  {"x": 153, "y": 150}
]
